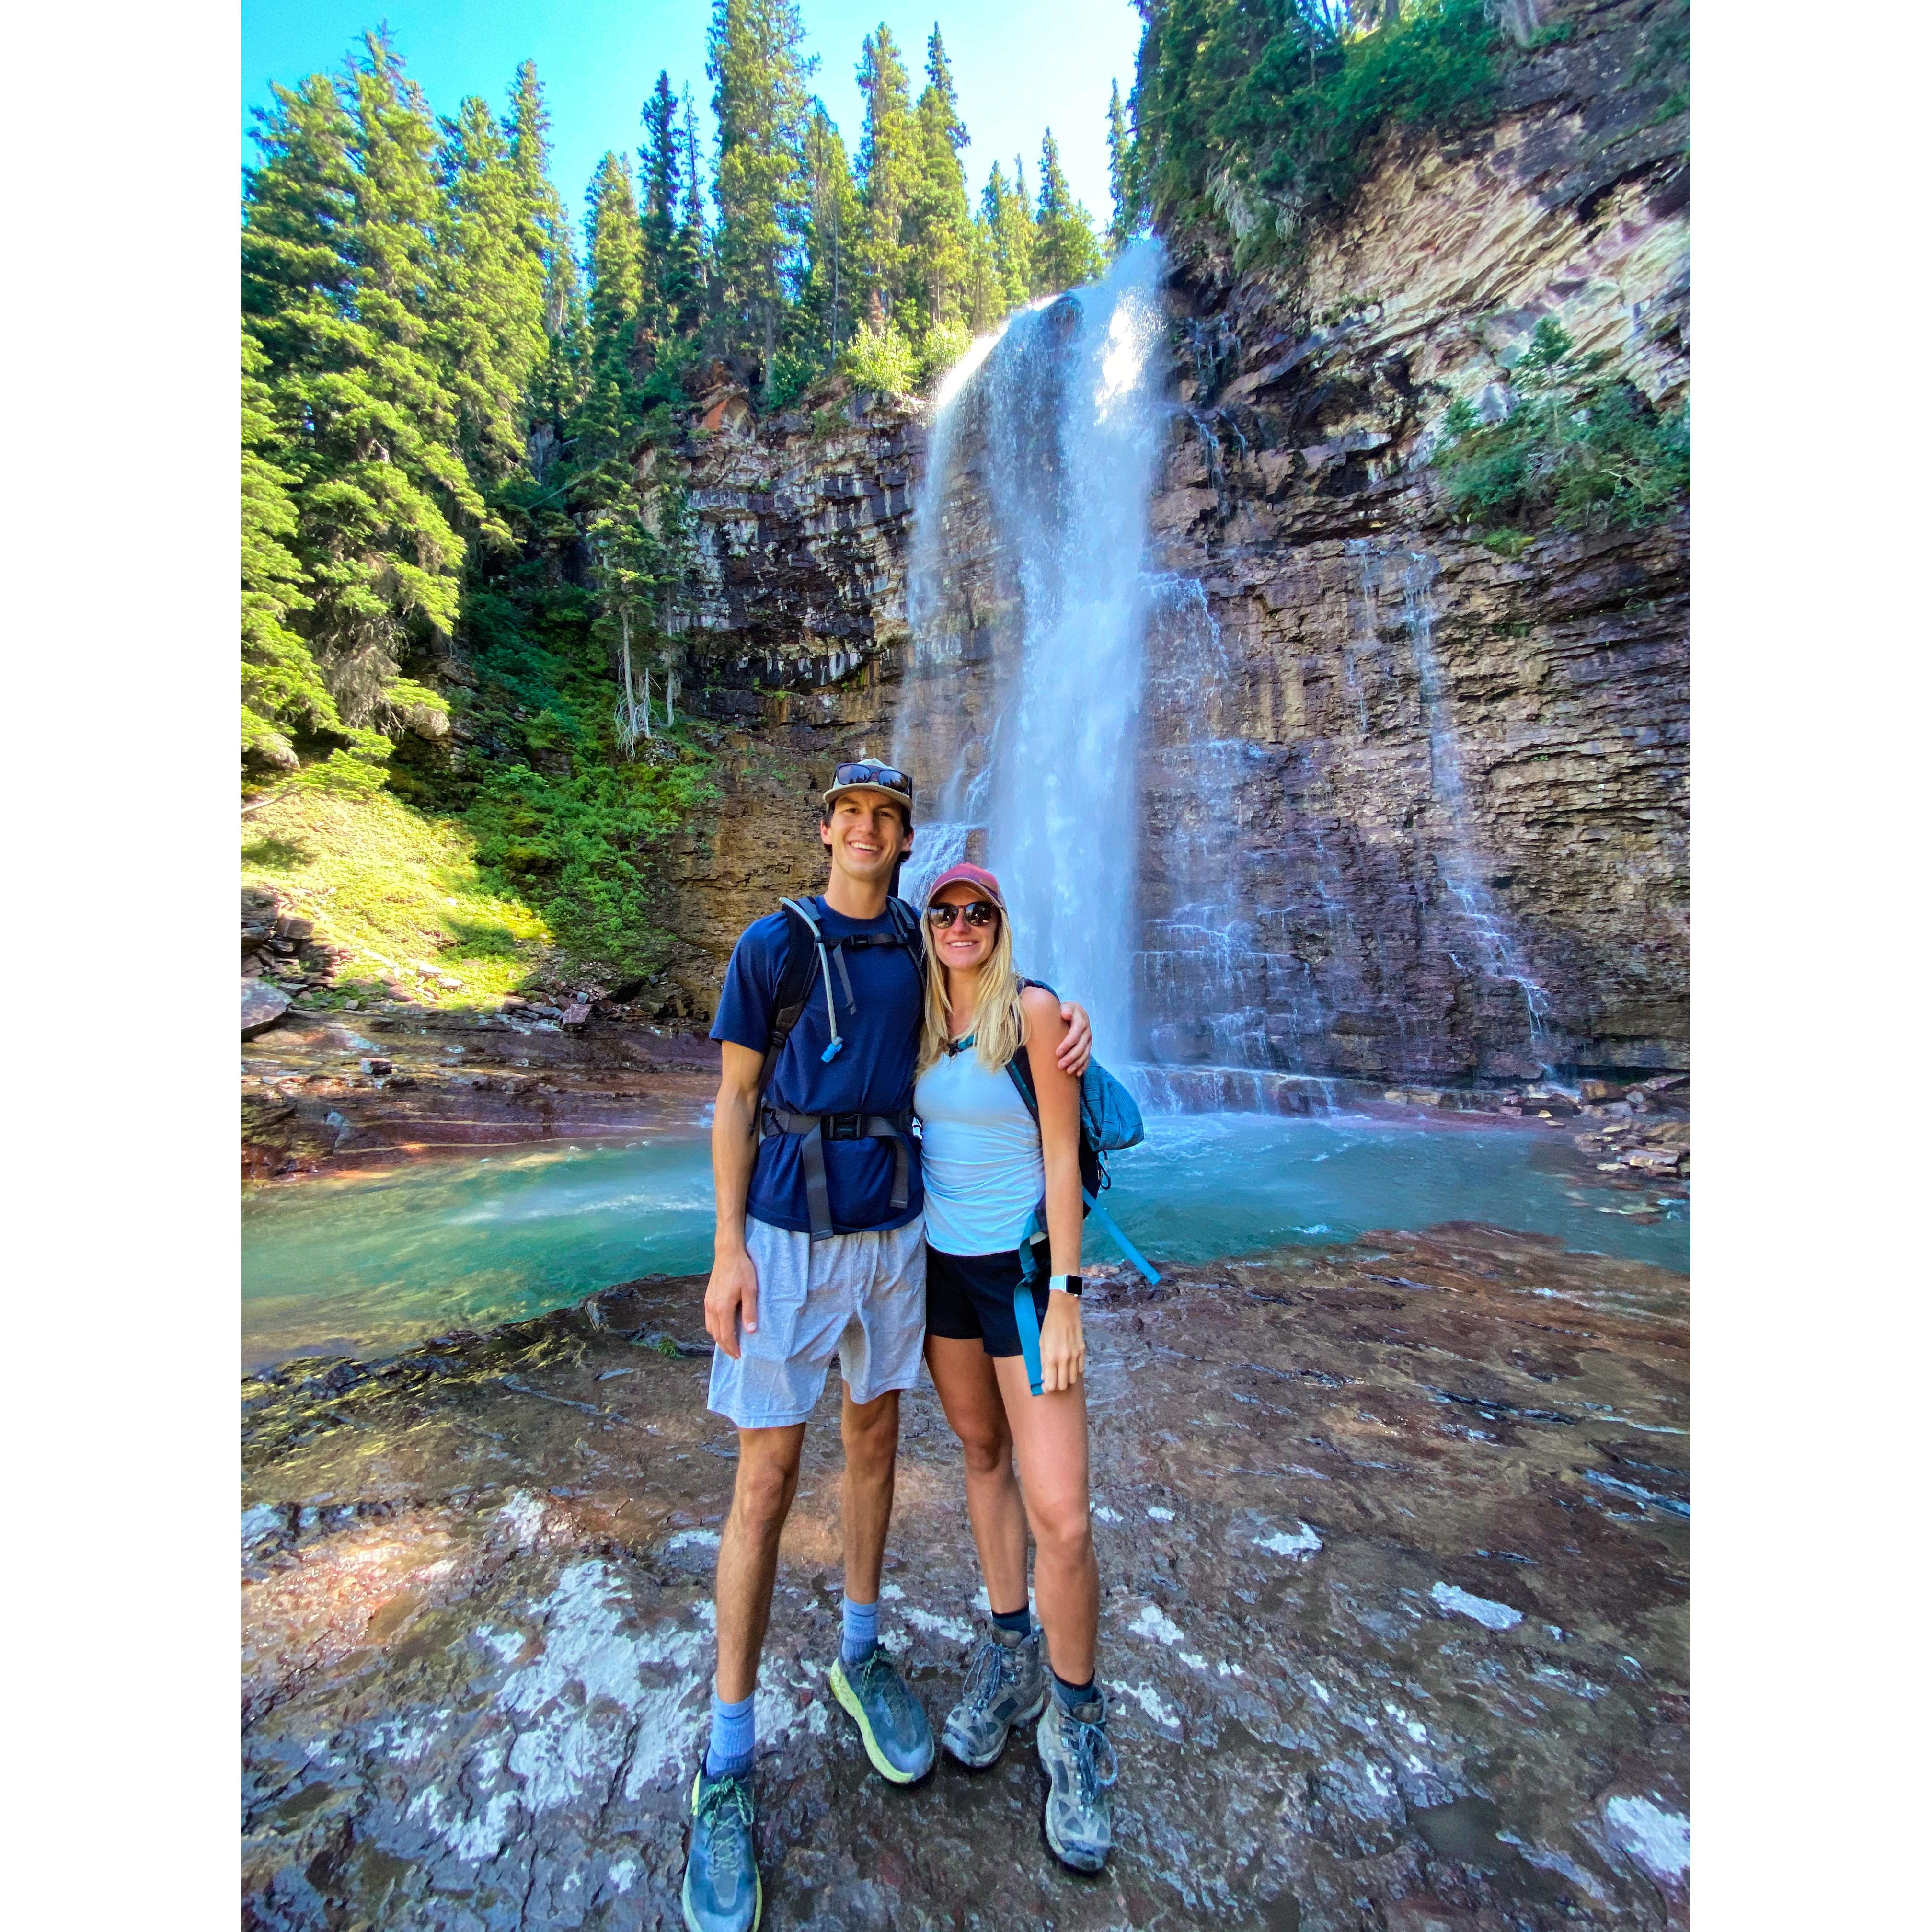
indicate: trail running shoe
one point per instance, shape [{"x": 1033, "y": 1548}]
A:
[
  {"x": 892, "y": 1720},
  {"x": 1077, "y": 1757},
  {"x": 722, "y": 1890},
  {"x": 1005, "y": 1685}
]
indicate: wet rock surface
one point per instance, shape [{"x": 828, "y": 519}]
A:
[
  {"x": 330, "y": 1091},
  {"x": 1393, "y": 1546}
]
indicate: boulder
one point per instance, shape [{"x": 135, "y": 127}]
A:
[
  {"x": 1597, "y": 1091},
  {"x": 261, "y": 1005}
]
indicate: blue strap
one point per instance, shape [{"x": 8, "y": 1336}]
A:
[
  {"x": 1134, "y": 1255},
  {"x": 1026, "y": 1318}
]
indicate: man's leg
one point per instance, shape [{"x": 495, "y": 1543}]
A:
[
  {"x": 748, "y": 1552},
  {"x": 870, "y": 1431}
]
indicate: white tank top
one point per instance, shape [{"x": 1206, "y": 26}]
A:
[{"x": 980, "y": 1155}]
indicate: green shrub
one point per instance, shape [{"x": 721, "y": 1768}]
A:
[
  {"x": 1579, "y": 449},
  {"x": 942, "y": 346},
  {"x": 792, "y": 373},
  {"x": 579, "y": 848},
  {"x": 1281, "y": 101},
  {"x": 883, "y": 359}
]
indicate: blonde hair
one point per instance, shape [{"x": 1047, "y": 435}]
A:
[{"x": 999, "y": 1019}]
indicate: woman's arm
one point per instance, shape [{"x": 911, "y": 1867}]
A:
[{"x": 1062, "y": 1349}]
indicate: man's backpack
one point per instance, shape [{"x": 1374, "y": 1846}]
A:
[
  {"x": 1109, "y": 1119},
  {"x": 809, "y": 955}
]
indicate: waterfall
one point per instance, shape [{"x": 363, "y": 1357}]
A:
[
  {"x": 1035, "y": 751},
  {"x": 1496, "y": 952}
]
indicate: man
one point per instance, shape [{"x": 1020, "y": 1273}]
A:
[{"x": 820, "y": 1249}]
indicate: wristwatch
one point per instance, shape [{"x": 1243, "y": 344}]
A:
[{"x": 1067, "y": 1284}]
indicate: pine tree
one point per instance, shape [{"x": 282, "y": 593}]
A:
[
  {"x": 1123, "y": 175},
  {"x": 939, "y": 223},
  {"x": 282, "y": 695},
  {"x": 491, "y": 336},
  {"x": 691, "y": 277},
  {"x": 758, "y": 70},
  {"x": 343, "y": 283},
  {"x": 660, "y": 175},
  {"x": 828, "y": 302},
  {"x": 614, "y": 251},
  {"x": 1007, "y": 217},
  {"x": 888, "y": 171},
  {"x": 1065, "y": 253},
  {"x": 556, "y": 384}
]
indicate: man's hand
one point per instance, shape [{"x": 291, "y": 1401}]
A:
[
  {"x": 731, "y": 1296},
  {"x": 1077, "y": 1049},
  {"x": 1063, "y": 1348}
]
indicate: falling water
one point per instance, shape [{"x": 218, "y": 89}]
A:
[
  {"x": 1069, "y": 419},
  {"x": 1496, "y": 954}
]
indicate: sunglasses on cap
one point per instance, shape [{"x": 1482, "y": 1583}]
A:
[
  {"x": 980, "y": 912},
  {"x": 887, "y": 777}
]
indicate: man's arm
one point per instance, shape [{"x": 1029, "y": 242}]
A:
[{"x": 732, "y": 1295}]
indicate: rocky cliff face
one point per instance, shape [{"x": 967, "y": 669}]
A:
[
  {"x": 797, "y": 630},
  {"x": 1444, "y": 790}
]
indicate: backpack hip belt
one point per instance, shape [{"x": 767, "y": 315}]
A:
[{"x": 814, "y": 1129}]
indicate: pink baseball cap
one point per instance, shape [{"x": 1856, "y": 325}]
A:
[{"x": 970, "y": 875}]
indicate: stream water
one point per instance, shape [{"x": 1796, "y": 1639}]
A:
[{"x": 368, "y": 1264}]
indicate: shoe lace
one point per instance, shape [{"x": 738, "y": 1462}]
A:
[
  {"x": 877, "y": 1677},
  {"x": 1090, "y": 1740},
  {"x": 984, "y": 1674},
  {"x": 732, "y": 1795}
]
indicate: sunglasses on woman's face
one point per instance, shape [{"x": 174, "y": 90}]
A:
[{"x": 981, "y": 912}]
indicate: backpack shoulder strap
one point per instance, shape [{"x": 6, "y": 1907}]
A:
[
  {"x": 795, "y": 981},
  {"x": 906, "y": 923}
]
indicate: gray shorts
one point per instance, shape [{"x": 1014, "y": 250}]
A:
[{"x": 860, "y": 1297}]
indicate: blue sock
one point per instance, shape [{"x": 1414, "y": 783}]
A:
[
  {"x": 1070, "y": 1696},
  {"x": 862, "y": 1631},
  {"x": 734, "y": 1738},
  {"x": 1019, "y": 1621}
]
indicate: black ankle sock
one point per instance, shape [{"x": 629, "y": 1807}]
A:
[
  {"x": 1019, "y": 1621},
  {"x": 1070, "y": 1695}
]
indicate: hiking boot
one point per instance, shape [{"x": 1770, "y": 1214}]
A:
[
  {"x": 1005, "y": 1685},
  {"x": 722, "y": 1890},
  {"x": 892, "y": 1720},
  {"x": 1078, "y": 1758}
]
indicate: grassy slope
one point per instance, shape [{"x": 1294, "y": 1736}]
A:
[{"x": 399, "y": 890}]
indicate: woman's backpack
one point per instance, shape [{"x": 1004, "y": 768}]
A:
[{"x": 1109, "y": 1119}]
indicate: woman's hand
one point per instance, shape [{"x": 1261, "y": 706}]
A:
[{"x": 1063, "y": 1348}]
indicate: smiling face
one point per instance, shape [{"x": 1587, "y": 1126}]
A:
[
  {"x": 866, "y": 835},
  {"x": 962, "y": 945}
]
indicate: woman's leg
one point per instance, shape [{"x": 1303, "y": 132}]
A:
[
  {"x": 1049, "y": 1435},
  {"x": 962, "y": 1373}
]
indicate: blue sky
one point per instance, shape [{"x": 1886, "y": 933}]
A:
[{"x": 1020, "y": 67}]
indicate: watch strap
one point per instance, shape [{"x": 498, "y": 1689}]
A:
[{"x": 1066, "y": 1284}]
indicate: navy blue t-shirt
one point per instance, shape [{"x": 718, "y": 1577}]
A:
[{"x": 872, "y": 1073}]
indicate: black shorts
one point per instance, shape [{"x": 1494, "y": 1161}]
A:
[{"x": 970, "y": 1298}]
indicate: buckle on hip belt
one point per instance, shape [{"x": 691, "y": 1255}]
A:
[{"x": 843, "y": 1127}]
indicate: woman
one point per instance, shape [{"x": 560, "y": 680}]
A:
[{"x": 987, "y": 1166}]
